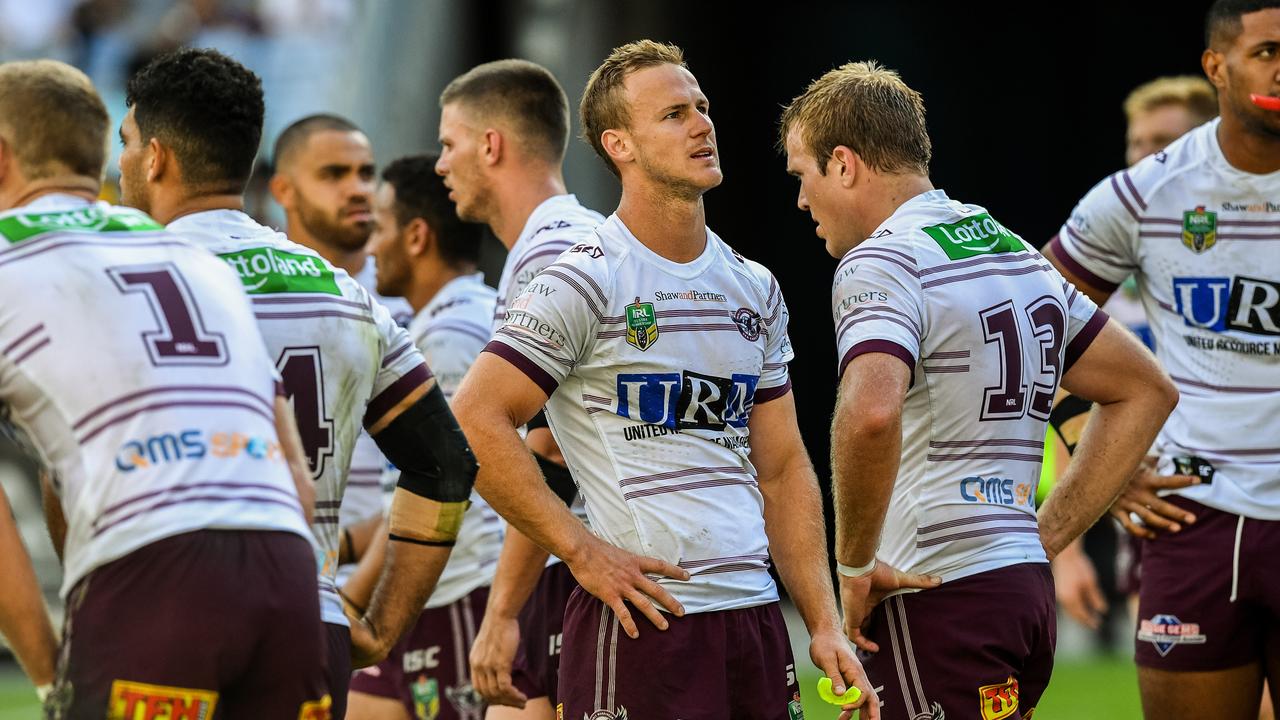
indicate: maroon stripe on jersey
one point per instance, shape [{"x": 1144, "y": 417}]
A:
[
  {"x": 948, "y": 355},
  {"x": 1071, "y": 293},
  {"x": 921, "y": 544},
  {"x": 773, "y": 290},
  {"x": 1017, "y": 457},
  {"x": 591, "y": 305},
  {"x": 881, "y": 346},
  {"x": 391, "y": 357},
  {"x": 880, "y": 308},
  {"x": 1012, "y": 442},
  {"x": 1010, "y": 272},
  {"x": 687, "y": 564},
  {"x": 1100, "y": 254},
  {"x": 880, "y": 254},
  {"x": 1245, "y": 389},
  {"x": 1083, "y": 339},
  {"x": 202, "y": 499},
  {"x": 534, "y": 344},
  {"x": 594, "y": 410},
  {"x": 25, "y": 336},
  {"x": 915, "y": 334},
  {"x": 395, "y": 393},
  {"x": 34, "y": 246},
  {"x": 1071, "y": 264},
  {"x": 470, "y": 329},
  {"x": 589, "y": 280},
  {"x": 689, "y": 313},
  {"x": 1129, "y": 184},
  {"x": 961, "y": 522},
  {"x": 861, "y": 251},
  {"x": 772, "y": 366},
  {"x": 1001, "y": 258},
  {"x": 774, "y": 317},
  {"x": 36, "y": 348},
  {"x": 213, "y": 389},
  {"x": 269, "y": 417},
  {"x": 1221, "y": 223},
  {"x": 1124, "y": 200},
  {"x": 932, "y": 369},
  {"x": 540, "y": 377},
  {"x": 739, "y": 567},
  {"x": 1220, "y": 236},
  {"x": 764, "y": 395},
  {"x": 673, "y": 474},
  {"x": 684, "y": 327},
  {"x": 324, "y": 521},
  {"x": 1228, "y": 453},
  {"x": 698, "y": 485},
  {"x": 555, "y": 248},
  {"x": 597, "y": 398},
  {"x": 364, "y": 483},
  {"x": 201, "y": 486},
  {"x": 309, "y": 314},
  {"x": 328, "y": 504},
  {"x": 305, "y": 300}
]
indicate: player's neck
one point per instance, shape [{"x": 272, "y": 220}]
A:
[
  {"x": 673, "y": 227},
  {"x": 429, "y": 280},
  {"x": 351, "y": 261},
  {"x": 895, "y": 190},
  {"x": 75, "y": 185},
  {"x": 517, "y": 197},
  {"x": 1247, "y": 150},
  {"x": 165, "y": 213}
]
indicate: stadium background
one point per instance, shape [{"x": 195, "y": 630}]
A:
[{"x": 1023, "y": 107}]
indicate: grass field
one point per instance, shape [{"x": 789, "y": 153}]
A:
[{"x": 1104, "y": 688}]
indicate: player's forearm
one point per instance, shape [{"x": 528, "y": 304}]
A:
[
  {"x": 519, "y": 567},
  {"x": 793, "y": 521},
  {"x": 1114, "y": 442},
  {"x": 53, "y": 517},
  {"x": 295, "y": 456},
  {"x": 359, "y": 588},
  {"x": 409, "y": 575},
  {"x": 864, "y": 466},
  {"x": 23, "y": 619}
]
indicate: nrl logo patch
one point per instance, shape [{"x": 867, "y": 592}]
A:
[
  {"x": 642, "y": 325},
  {"x": 1199, "y": 229}
]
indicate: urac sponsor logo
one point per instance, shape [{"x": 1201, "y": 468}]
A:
[
  {"x": 1249, "y": 305},
  {"x": 687, "y": 400}
]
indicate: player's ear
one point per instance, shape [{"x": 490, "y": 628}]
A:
[
  {"x": 419, "y": 237},
  {"x": 1215, "y": 67},
  {"x": 491, "y": 146},
  {"x": 617, "y": 144},
  {"x": 844, "y": 163},
  {"x": 281, "y": 189},
  {"x": 159, "y": 158}
]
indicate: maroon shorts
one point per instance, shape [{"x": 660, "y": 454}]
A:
[
  {"x": 537, "y": 664},
  {"x": 1210, "y": 596},
  {"x": 977, "y": 648},
  {"x": 208, "y": 624},
  {"x": 429, "y": 671},
  {"x": 338, "y": 669},
  {"x": 705, "y": 666}
]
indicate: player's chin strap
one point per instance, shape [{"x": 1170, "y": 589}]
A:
[{"x": 437, "y": 472}]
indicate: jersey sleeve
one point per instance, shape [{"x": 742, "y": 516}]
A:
[
  {"x": 1084, "y": 321},
  {"x": 533, "y": 260},
  {"x": 775, "y": 380},
  {"x": 450, "y": 349},
  {"x": 1098, "y": 242},
  {"x": 877, "y": 305},
  {"x": 553, "y": 324},
  {"x": 401, "y": 367}
]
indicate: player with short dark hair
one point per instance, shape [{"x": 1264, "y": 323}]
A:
[{"x": 345, "y": 363}]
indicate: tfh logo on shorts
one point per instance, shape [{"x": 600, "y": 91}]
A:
[
  {"x": 1165, "y": 631},
  {"x": 999, "y": 701},
  {"x": 140, "y": 701}
]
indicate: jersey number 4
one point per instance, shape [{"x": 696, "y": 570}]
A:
[
  {"x": 1047, "y": 323},
  {"x": 303, "y": 374}
]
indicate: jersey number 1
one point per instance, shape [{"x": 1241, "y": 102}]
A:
[
  {"x": 182, "y": 338},
  {"x": 1010, "y": 399}
]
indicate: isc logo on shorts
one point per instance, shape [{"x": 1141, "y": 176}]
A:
[
  {"x": 999, "y": 701},
  {"x": 140, "y": 701}
]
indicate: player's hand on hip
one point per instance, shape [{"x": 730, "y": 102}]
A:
[
  {"x": 831, "y": 653},
  {"x": 1076, "y": 583},
  {"x": 366, "y": 648},
  {"x": 1141, "y": 501},
  {"x": 859, "y": 596},
  {"x": 492, "y": 655},
  {"x": 618, "y": 577}
]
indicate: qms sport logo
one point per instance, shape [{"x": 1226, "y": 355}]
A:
[
  {"x": 687, "y": 400},
  {"x": 193, "y": 445},
  {"x": 996, "y": 491},
  {"x": 1249, "y": 305}
]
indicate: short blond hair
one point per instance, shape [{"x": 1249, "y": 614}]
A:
[
  {"x": 867, "y": 108},
  {"x": 603, "y": 106},
  {"x": 1190, "y": 91},
  {"x": 522, "y": 92},
  {"x": 53, "y": 119}
]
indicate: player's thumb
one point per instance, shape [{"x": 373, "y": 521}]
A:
[{"x": 917, "y": 580}]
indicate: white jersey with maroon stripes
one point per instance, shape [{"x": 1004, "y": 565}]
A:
[
  {"x": 344, "y": 361},
  {"x": 653, "y": 368},
  {"x": 988, "y": 328},
  {"x": 367, "y": 494},
  {"x": 131, "y": 360},
  {"x": 451, "y": 330},
  {"x": 1203, "y": 240}
]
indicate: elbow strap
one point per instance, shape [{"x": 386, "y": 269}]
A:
[
  {"x": 423, "y": 521},
  {"x": 428, "y": 447},
  {"x": 1068, "y": 418},
  {"x": 558, "y": 479}
]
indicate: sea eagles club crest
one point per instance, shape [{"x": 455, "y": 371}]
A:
[
  {"x": 1199, "y": 229},
  {"x": 642, "y": 325}
]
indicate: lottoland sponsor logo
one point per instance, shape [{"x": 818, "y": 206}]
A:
[
  {"x": 267, "y": 270},
  {"x": 979, "y": 235},
  {"x": 689, "y": 295},
  {"x": 96, "y": 218}
]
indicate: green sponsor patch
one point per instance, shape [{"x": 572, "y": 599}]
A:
[
  {"x": 92, "y": 218},
  {"x": 978, "y": 235},
  {"x": 642, "y": 325},
  {"x": 267, "y": 270}
]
